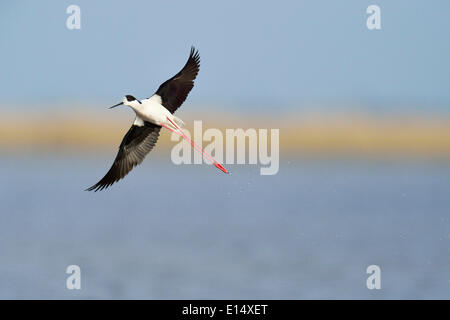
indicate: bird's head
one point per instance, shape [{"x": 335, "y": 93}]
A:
[{"x": 128, "y": 100}]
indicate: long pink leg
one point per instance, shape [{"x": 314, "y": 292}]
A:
[{"x": 193, "y": 144}]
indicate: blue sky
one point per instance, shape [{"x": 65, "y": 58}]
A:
[{"x": 253, "y": 52}]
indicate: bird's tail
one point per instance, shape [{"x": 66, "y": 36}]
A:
[{"x": 178, "y": 121}]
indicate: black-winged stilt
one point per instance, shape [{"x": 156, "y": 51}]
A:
[{"x": 152, "y": 114}]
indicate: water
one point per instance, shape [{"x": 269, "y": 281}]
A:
[{"x": 191, "y": 232}]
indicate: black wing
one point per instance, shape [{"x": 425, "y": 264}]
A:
[
  {"x": 174, "y": 91},
  {"x": 138, "y": 141}
]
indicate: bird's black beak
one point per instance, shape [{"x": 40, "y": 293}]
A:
[{"x": 116, "y": 105}]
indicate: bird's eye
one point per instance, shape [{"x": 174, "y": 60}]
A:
[{"x": 130, "y": 98}]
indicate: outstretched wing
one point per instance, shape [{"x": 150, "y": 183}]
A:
[
  {"x": 139, "y": 140},
  {"x": 174, "y": 91}
]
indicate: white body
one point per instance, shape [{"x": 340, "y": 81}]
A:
[{"x": 153, "y": 111}]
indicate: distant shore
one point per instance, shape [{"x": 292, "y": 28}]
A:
[{"x": 304, "y": 133}]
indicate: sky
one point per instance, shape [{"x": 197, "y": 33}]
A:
[{"x": 253, "y": 53}]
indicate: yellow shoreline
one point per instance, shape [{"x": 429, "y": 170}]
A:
[{"x": 300, "y": 133}]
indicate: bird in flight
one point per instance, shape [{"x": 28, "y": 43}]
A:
[{"x": 152, "y": 114}]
